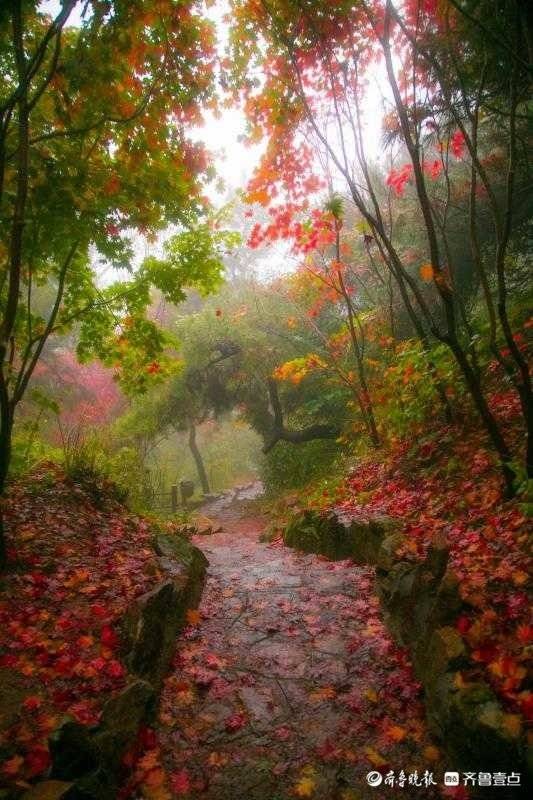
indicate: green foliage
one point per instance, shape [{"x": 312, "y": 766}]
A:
[
  {"x": 103, "y": 470},
  {"x": 290, "y": 466}
]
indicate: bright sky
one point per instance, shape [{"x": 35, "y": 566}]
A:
[{"x": 234, "y": 161}]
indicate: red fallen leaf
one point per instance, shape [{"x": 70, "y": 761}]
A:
[
  {"x": 283, "y": 733},
  {"x": 109, "y": 637},
  {"x": 147, "y": 738},
  {"x": 12, "y": 766},
  {"x": 65, "y": 665},
  {"x": 115, "y": 669},
  {"x": 66, "y": 623},
  {"x": 213, "y": 662},
  {"x": 526, "y": 705},
  {"x": 463, "y": 624},
  {"x": 37, "y": 760},
  {"x": 32, "y": 703},
  {"x": 235, "y": 722},
  {"x": 525, "y": 634},
  {"x": 99, "y": 610},
  {"x": 9, "y": 660},
  {"x": 153, "y": 368},
  {"x": 180, "y": 782},
  {"x": 486, "y": 653}
]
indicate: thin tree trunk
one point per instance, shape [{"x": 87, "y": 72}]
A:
[
  {"x": 198, "y": 460},
  {"x": 6, "y": 427}
]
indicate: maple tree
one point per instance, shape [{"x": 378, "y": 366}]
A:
[
  {"x": 95, "y": 143},
  {"x": 386, "y": 375},
  {"x": 316, "y": 63}
]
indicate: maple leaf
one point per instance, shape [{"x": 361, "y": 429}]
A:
[
  {"x": 37, "y": 760},
  {"x": 32, "y": 703},
  {"x": 217, "y": 759},
  {"x": 305, "y": 787},
  {"x": 12, "y": 766},
  {"x": 426, "y": 272},
  {"x": 512, "y": 724},
  {"x": 235, "y": 722},
  {"x": 180, "y": 782},
  {"x": 395, "y": 733},
  {"x": 193, "y": 616},
  {"x": 109, "y": 637},
  {"x": 431, "y": 753},
  {"x": 375, "y": 758},
  {"x": 115, "y": 669},
  {"x": 325, "y": 693}
]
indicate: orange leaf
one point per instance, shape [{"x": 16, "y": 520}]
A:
[
  {"x": 426, "y": 272},
  {"x": 326, "y": 693},
  {"x": 193, "y": 616},
  {"x": 396, "y": 733},
  {"x": 12, "y": 766}
]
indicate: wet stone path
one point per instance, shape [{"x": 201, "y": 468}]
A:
[{"x": 286, "y": 683}]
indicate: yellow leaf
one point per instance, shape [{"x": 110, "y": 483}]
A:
[
  {"x": 513, "y": 725},
  {"x": 374, "y": 757},
  {"x": 370, "y": 694},
  {"x": 305, "y": 787},
  {"x": 520, "y": 577}
]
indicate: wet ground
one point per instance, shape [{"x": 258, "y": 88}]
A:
[{"x": 286, "y": 684}]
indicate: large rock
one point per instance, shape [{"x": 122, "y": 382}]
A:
[
  {"x": 338, "y": 538},
  {"x": 154, "y": 620}
]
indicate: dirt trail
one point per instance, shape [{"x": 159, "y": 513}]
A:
[{"x": 288, "y": 685}]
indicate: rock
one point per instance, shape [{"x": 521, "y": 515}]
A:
[
  {"x": 476, "y": 734},
  {"x": 176, "y": 548},
  {"x": 73, "y": 751},
  {"x": 437, "y": 557},
  {"x": 386, "y": 556},
  {"x": 154, "y": 620},
  {"x": 445, "y": 652},
  {"x": 121, "y": 718},
  {"x": 48, "y": 790},
  {"x": 368, "y": 537},
  {"x": 336, "y": 537},
  {"x": 151, "y": 627}
]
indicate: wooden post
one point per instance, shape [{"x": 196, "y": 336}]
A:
[{"x": 174, "y": 498}]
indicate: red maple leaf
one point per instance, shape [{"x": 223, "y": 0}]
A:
[{"x": 180, "y": 782}]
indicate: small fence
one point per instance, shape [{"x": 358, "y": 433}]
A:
[{"x": 175, "y": 499}]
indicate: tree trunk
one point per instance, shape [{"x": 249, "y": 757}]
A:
[
  {"x": 198, "y": 460},
  {"x": 6, "y": 426}
]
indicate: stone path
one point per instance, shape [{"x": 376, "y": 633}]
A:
[{"x": 286, "y": 683}]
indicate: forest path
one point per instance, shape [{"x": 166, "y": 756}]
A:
[{"x": 287, "y": 684}]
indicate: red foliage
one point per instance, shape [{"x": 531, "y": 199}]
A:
[
  {"x": 487, "y": 537},
  {"x": 76, "y": 568},
  {"x": 397, "y": 178}
]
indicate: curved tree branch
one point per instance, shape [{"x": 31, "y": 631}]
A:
[{"x": 281, "y": 434}]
